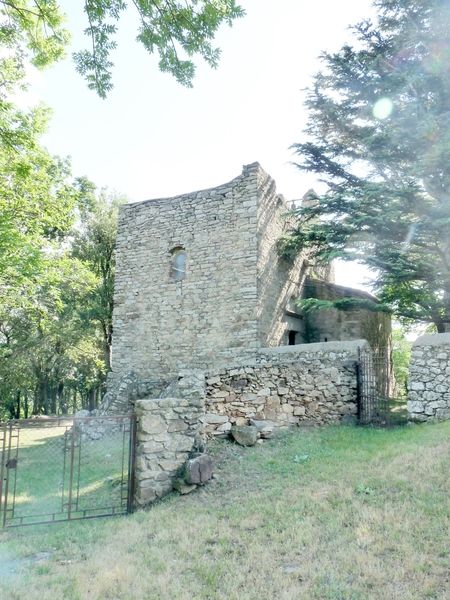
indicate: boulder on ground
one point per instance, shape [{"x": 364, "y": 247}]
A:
[
  {"x": 265, "y": 428},
  {"x": 198, "y": 470},
  {"x": 245, "y": 435}
]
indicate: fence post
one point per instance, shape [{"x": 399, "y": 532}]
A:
[{"x": 131, "y": 464}]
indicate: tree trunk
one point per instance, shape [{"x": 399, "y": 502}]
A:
[
  {"x": 107, "y": 344},
  {"x": 49, "y": 399},
  {"x": 41, "y": 395},
  {"x": 60, "y": 398},
  {"x": 441, "y": 327},
  {"x": 17, "y": 415},
  {"x": 91, "y": 399}
]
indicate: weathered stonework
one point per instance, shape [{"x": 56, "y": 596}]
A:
[
  {"x": 235, "y": 286},
  {"x": 230, "y": 295},
  {"x": 429, "y": 378},
  {"x": 274, "y": 387},
  {"x": 167, "y": 432},
  {"x": 355, "y": 323},
  {"x": 290, "y": 385},
  {"x": 121, "y": 397}
]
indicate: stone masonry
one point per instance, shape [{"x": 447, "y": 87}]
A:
[
  {"x": 308, "y": 384},
  {"x": 167, "y": 432},
  {"x": 429, "y": 378},
  {"x": 290, "y": 385},
  {"x": 235, "y": 289},
  {"x": 230, "y": 295},
  {"x": 332, "y": 324}
]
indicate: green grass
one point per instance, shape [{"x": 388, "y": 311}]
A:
[{"x": 340, "y": 513}]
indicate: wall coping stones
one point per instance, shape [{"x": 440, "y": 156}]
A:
[
  {"x": 435, "y": 339},
  {"x": 351, "y": 346},
  {"x": 346, "y": 350}
]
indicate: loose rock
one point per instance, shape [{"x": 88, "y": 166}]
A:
[
  {"x": 245, "y": 435},
  {"x": 265, "y": 428},
  {"x": 198, "y": 470}
]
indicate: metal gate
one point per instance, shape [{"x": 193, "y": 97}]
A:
[
  {"x": 60, "y": 469},
  {"x": 377, "y": 403}
]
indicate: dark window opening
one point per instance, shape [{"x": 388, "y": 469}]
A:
[{"x": 292, "y": 336}]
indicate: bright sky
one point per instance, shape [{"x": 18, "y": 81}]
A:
[{"x": 153, "y": 138}]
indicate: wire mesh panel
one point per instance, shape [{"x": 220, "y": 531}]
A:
[{"x": 57, "y": 469}]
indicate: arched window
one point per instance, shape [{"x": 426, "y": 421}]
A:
[{"x": 177, "y": 264}]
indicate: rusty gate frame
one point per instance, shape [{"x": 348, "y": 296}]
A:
[{"x": 375, "y": 387}]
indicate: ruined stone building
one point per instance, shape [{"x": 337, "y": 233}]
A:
[
  {"x": 199, "y": 281},
  {"x": 207, "y": 333}
]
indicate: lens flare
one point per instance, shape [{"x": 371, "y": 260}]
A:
[
  {"x": 409, "y": 236},
  {"x": 383, "y": 108}
]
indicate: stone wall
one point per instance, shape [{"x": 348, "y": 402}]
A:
[
  {"x": 429, "y": 378},
  {"x": 356, "y": 323},
  {"x": 290, "y": 385},
  {"x": 162, "y": 326},
  {"x": 279, "y": 281},
  {"x": 235, "y": 290},
  {"x": 167, "y": 433},
  {"x": 284, "y": 386}
]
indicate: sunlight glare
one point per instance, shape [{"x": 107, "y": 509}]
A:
[{"x": 383, "y": 108}]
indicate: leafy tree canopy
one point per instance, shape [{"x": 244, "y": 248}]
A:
[
  {"x": 178, "y": 31},
  {"x": 379, "y": 137}
]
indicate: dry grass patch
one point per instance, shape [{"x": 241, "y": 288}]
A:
[{"x": 331, "y": 514}]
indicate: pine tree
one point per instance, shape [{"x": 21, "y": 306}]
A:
[{"x": 379, "y": 136}]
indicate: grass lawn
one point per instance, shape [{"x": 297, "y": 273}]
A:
[{"x": 340, "y": 513}]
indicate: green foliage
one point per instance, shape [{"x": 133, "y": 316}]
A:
[
  {"x": 401, "y": 357},
  {"x": 310, "y": 304},
  {"x": 36, "y": 197},
  {"x": 178, "y": 31},
  {"x": 379, "y": 137},
  {"x": 94, "y": 244},
  {"x": 51, "y": 345},
  {"x": 37, "y": 26}
]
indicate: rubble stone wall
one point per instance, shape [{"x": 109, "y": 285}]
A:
[
  {"x": 290, "y": 385},
  {"x": 429, "y": 378},
  {"x": 167, "y": 432}
]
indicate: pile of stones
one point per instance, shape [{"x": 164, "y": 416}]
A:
[
  {"x": 248, "y": 435},
  {"x": 196, "y": 472}
]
